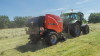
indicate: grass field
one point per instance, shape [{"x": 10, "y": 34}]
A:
[
  {"x": 85, "y": 45},
  {"x": 10, "y": 33}
]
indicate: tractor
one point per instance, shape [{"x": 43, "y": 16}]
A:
[
  {"x": 50, "y": 27},
  {"x": 73, "y": 23}
]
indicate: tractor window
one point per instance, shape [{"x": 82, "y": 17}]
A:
[
  {"x": 63, "y": 17},
  {"x": 74, "y": 16},
  {"x": 68, "y": 16}
]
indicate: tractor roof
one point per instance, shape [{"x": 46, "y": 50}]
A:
[{"x": 68, "y": 13}]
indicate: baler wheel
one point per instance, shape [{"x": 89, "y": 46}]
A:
[{"x": 51, "y": 38}]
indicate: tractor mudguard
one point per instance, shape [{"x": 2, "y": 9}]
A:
[
  {"x": 85, "y": 28},
  {"x": 83, "y": 25},
  {"x": 74, "y": 21}
]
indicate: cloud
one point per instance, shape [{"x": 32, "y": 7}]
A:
[
  {"x": 57, "y": 9},
  {"x": 86, "y": 0},
  {"x": 79, "y": 2},
  {"x": 53, "y": 10},
  {"x": 91, "y": 11},
  {"x": 82, "y": 2}
]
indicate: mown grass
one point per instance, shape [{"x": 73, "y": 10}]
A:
[
  {"x": 84, "y": 45},
  {"x": 10, "y": 33}
]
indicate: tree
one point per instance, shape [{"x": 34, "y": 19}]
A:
[
  {"x": 85, "y": 21},
  {"x": 94, "y": 18},
  {"x": 21, "y": 21},
  {"x": 79, "y": 15},
  {"x": 4, "y": 21}
]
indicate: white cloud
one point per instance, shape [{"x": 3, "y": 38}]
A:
[
  {"x": 62, "y": 8},
  {"x": 53, "y": 10},
  {"x": 86, "y": 0},
  {"x": 91, "y": 11},
  {"x": 79, "y": 2},
  {"x": 82, "y": 2}
]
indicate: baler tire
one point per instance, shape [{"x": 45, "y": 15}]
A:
[
  {"x": 75, "y": 29},
  {"x": 51, "y": 38}
]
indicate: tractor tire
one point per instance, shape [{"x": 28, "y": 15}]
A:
[
  {"x": 75, "y": 29},
  {"x": 85, "y": 29},
  {"x": 51, "y": 38}
]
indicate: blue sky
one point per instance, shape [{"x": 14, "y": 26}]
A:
[{"x": 34, "y": 8}]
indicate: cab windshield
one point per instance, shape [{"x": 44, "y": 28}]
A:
[{"x": 69, "y": 16}]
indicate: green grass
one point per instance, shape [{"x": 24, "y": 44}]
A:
[
  {"x": 84, "y": 45},
  {"x": 10, "y": 33}
]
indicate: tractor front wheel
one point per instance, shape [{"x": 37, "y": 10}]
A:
[{"x": 85, "y": 29}]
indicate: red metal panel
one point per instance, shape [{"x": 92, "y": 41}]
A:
[{"x": 53, "y": 22}]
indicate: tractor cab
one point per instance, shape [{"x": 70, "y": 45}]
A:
[{"x": 71, "y": 16}]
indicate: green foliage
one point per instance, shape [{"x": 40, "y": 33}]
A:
[
  {"x": 81, "y": 14},
  {"x": 4, "y": 21},
  {"x": 94, "y": 18},
  {"x": 85, "y": 21},
  {"x": 21, "y": 21},
  {"x": 12, "y": 24}
]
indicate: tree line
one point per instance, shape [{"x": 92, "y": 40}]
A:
[
  {"x": 18, "y": 21},
  {"x": 94, "y": 18}
]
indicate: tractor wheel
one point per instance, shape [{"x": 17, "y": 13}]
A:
[
  {"x": 75, "y": 29},
  {"x": 85, "y": 29},
  {"x": 51, "y": 38}
]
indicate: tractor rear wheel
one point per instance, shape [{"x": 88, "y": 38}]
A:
[
  {"x": 75, "y": 29},
  {"x": 85, "y": 29},
  {"x": 51, "y": 38}
]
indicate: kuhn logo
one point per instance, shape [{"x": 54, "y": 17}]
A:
[{"x": 32, "y": 22}]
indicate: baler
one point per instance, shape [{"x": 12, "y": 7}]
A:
[{"x": 48, "y": 27}]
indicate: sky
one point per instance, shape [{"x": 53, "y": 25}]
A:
[{"x": 12, "y": 8}]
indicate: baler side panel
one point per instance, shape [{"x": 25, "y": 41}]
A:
[{"x": 52, "y": 19}]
